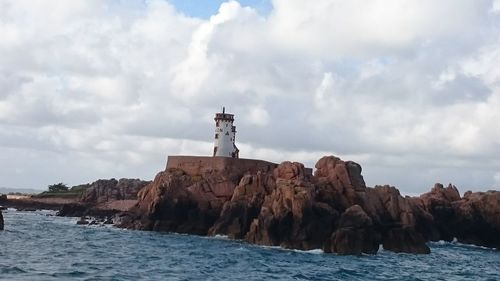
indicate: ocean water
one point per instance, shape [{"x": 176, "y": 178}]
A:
[{"x": 38, "y": 246}]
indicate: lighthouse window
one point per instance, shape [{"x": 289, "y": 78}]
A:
[
  {"x": 217, "y": 124},
  {"x": 216, "y": 136},
  {"x": 226, "y": 125}
]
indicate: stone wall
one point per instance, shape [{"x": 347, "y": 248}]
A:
[{"x": 197, "y": 165}]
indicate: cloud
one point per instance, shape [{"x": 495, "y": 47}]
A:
[{"x": 410, "y": 89}]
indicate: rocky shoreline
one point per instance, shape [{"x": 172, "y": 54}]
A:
[
  {"x": 285, "y": 205},
  {"x": 331, "y": 210},
  {"x": 101, "y": 200}
]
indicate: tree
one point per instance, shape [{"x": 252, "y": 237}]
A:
[{"x": 58, "y": 187}]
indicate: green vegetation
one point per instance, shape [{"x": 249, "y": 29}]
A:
[
  {"x": 58, "y": 187},
  {"x": 61, "y": 190}
]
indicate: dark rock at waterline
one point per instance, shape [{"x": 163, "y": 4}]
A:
[
  {"x": 355, "y": 234},
  {"x": 27, "y": 209},
  {"x": 1, "y": 221},
  {"x": 86, "y": 209},
  {"x": 405, "y": 240},
  {"x": 73, "y": 210},
  {"x": 472, "y": 219},
  {"x": 285, "y": 205},
  {"x": 82, "y": 221}
]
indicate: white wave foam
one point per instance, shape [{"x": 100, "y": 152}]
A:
[
  {"x": 313, "y": 251},
  {"x": 455, "y": 242},
  {"x": 219, "y": 236}
]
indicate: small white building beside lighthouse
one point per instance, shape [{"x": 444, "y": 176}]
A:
[{"x": 225, "y": 134}]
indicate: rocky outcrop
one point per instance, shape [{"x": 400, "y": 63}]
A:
[
  {"x": 287, "y": 206},
  {"x": 108, "y": 190},
  {"x": 355, "y": 234},
  {"x": 289, "y": 216},
  {"x": 473, "y": 219},
  {"x": 477, "y": 219},
  {"x": 244, "y": 206},
  {"x": 1, "y": 221},
  {"x": 104, "y": 198}
]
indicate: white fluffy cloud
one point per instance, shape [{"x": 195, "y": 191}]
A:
[{"x": 409, "y": 89}]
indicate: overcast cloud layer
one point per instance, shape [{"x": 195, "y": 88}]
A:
[{"x": 98, "y": 89}]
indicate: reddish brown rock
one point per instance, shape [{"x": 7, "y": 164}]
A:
[
  {"x": 284, "y": 205},
  {"x": 244, "y": 206},
  {"x": 288, "y": 171},
  {"x": 338, "y": 183},
  {"x": 177, "y": 202},
  {"x": 289, "y": 216},
  {"x": 476, "y": 219},
  {"x": 340, "y": 173},
  {"x": 398, "y": 219},
  {"x": 355, "y": 234},
  {"x": 189, "y": 195},
  {"x": 108, "y": 190},
  {"x": 405, "y": 239},
  {"x": 473, "y": 219}
]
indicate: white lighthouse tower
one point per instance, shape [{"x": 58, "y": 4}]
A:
[{"x": 225, "y": 133}]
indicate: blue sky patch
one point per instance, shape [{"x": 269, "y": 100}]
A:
[{"x": 207, "y": 8}]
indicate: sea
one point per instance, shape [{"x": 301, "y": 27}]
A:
[{"x": 41, "y": 246}]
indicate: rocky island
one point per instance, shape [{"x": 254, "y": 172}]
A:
[{"x": 287, "y": 205}]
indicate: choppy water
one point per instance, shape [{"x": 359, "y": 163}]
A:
[{"x": 35, "y": 246}]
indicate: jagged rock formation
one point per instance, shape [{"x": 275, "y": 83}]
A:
[
  {"x": 190, "y": 203},
  {"x": 285, "y": 205},
  {"x": 472, "y": 219},
  {"x": 108, "y": 190},
  {"x": 1, "y": 221},
  {"x": 104, "y": 198}
]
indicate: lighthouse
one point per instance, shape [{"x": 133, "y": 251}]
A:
[{"x": 225, "y": 133}]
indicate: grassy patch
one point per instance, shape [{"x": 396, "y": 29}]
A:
[{"x": 74, "y": 192}]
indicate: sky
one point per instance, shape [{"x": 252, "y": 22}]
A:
[{"x": 107, "y": 88}]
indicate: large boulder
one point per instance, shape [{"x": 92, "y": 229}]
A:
[
  {"x": 476, "y": 219},
  {"x": 180, "y": 202},
  {"x": 244, "y": 206},
  {"x": 339, "y": 183},
  {"x": 289, "y": 216},
  {"x": 345, "y": 174},
  {"x": 473, "y": 219},
  {"x": 355, "y": 234},
  {"x": 405, "y": 239}
]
